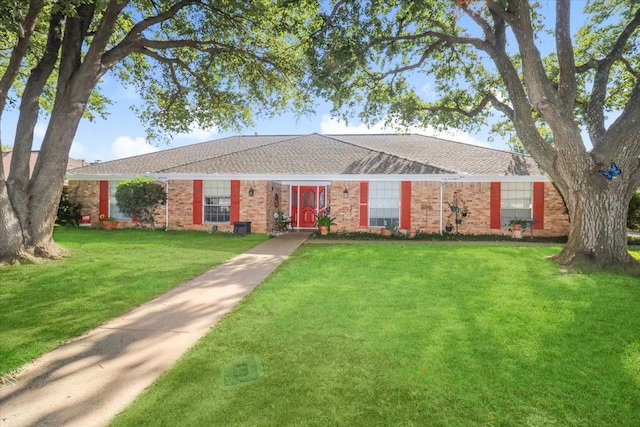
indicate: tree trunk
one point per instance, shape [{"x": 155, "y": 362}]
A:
[
  {"x": 597, "y": 234},
  {"x": 26, "y": 228}
]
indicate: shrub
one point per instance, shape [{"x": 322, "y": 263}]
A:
[
  {"x": 633, "y": 216},
  {"x": 139, "y": 198},
  {"x": 68, "y": 211}
]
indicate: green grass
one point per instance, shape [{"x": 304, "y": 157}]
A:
[
  {"x": 404, "y": 334},
  {"x": 106, "y": 274}
]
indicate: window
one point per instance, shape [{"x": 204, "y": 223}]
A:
[
  {"x": 114, "y": 210},
  {"x": 217, "y": 201},
  {"x": 515, "y": 201},
  {"x": 384, "y": 203}
]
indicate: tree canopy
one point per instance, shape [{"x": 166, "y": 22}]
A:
[
  {"x": 514, "y": 64},
  {"x": 194, "y": 63}
]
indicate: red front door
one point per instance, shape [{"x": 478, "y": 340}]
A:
[{"x": 307, "y": 206}]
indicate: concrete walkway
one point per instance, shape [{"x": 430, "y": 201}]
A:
[{"x": 88, "y": 381}]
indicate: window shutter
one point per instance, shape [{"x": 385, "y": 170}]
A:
[
  {"x": 197, "y": 201},
  {"x": 364, "y": 204},
  {"x": 103, "y": 205},
  {"x": 538, "y": 205},
  {"x": 235, "y": 201},
  {"x": 494, "y": 207},
  {"x": 405, "y": 205}
]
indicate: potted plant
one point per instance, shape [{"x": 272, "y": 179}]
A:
[
  {"x": 387, "y": 230},
  {"x": 283, "y": 221},
  {"x": 448, "y": 228},
  {"x": 324, "y": 223},
  {"x": 519, "y": 224},
  {"x": 110, "y": 223}
]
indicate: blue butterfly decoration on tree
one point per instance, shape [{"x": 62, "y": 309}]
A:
[{"x": 613, "y": 171}]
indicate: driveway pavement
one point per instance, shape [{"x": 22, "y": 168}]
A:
[{"x": 89, "y": 380}]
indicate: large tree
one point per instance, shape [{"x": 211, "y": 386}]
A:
[
  {"x": 573, "y": 99},
  {"x": 209, "y": 63}
]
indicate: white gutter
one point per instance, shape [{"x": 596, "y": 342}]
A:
[{"x": 319, "y": 178}]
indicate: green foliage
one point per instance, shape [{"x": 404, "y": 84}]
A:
[
  {"x": 139, "y": 198},
  {"x": 68, "y": 211},
  {"x": 633, "y": 216},
  {"x": 325, "y": 220},
  {"x": 369, "y": 55},
  {"x": 206, "y": 65}
]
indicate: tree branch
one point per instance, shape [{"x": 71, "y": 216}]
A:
[
  {"x": 172, "y": 62},
  {"x": 470, "y": 113},
  {"x": 595, "y": 108},
  {"x": 566, "y": 60},
  {"x": 19, "y": 51},
  {"x": 133, "y": 40},
  {"x": 433, "y": 47}
]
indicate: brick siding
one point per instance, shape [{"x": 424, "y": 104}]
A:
[{"x": 260, "y": 208}]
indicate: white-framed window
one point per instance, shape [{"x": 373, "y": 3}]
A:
[
  {"x": 516, "y": 201},
  {"x": 217, "y": 201},
  {"x": 114, "y": 210},
  {"x": 384, "y": 203}
]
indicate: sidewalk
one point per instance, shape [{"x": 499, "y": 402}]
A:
[{"x": 88, "y": 381}]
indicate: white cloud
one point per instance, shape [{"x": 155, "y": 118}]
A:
[
  {"x": 40, "y": 130},
  {"x": 125, "y": 146},
  {"x": 331, "y": 125},
  {"x": 197, "y": 134}
]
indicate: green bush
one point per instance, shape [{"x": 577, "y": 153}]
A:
[
  {"x": 139, "y": 198},
  {"x": 68, "y": 211},
  {"x": 633, "y": 216}
]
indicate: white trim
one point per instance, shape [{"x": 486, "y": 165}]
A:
[{"x": 319, "y": 179}]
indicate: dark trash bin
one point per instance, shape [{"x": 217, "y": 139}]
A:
[{"x": 242, "y": 228}]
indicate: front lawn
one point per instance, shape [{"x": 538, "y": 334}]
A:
[
  {"x": 106, "y": 274},
  {"x": 403, "y": 334}
]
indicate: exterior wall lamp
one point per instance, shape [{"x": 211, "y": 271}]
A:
[
  {"x": 251, "y": 192},
  {"x": 345, "y": 193}
]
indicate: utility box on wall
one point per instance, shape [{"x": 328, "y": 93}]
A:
[{"x": 242, "y": 227}]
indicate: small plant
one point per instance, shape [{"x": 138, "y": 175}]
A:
[
  {"x": 523, "y": 223},
  {"x": 325, "y": 220},
  {"x": 282, "y": 221}
]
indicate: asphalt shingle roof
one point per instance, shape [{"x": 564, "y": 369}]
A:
[{"x": 322, "y": 155}]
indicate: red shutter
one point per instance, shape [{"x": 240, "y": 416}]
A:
[
  {"x": 495, "y": 205},
  {"x": 103, "y": 206},
  {"x": 405, "y": 205},
  {"x": 364, "y": 204},
  {"x": 538, "y": 205},
  {"x": 235, "y": 201},
  {"x": 197, "y": 201}
]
